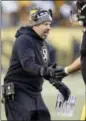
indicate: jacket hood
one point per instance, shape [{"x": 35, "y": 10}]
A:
[
  {"x": 23, "y": 30},
  {"x": 27, "y": 30}
]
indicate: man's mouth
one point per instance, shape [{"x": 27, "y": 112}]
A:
[{"x": 46, "y": 32}]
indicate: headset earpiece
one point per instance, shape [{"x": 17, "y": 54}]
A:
[{"x": 50, "y": 12}]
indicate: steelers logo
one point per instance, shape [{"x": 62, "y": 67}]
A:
[{"x": 44, "y": 52}]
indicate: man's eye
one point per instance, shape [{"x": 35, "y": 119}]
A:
[{"x": 48, "y": 24}]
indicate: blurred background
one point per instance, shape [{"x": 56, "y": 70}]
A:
[{"x": 65, "y": 37}]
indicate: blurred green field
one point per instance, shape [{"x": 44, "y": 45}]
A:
[{"x": 49, "y": 93}]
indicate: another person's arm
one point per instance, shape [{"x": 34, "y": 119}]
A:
[
  {"x": 65, "y": 71},
  {"x": 75, "y": 66}
]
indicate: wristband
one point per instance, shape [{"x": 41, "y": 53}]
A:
[{"x": 66, "y": 70}]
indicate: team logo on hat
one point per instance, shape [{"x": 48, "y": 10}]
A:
[{"x": 32, "y": 13}]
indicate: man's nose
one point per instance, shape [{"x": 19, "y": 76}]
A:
[{"x": 49, "y": 27}]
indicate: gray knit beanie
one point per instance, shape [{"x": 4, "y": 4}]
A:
[{"x": 38, "y": 16}]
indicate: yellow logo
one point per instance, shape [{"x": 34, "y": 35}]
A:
[{"x": 33, "y": 12}]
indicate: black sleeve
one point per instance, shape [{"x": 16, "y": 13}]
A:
[{"x": 25, "y": 51}]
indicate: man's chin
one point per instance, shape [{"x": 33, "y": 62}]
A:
[{"x": 44, "y": 37}]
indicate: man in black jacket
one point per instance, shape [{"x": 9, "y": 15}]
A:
[{"x": 31, "y": 62}]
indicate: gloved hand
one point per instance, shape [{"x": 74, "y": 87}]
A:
[
  {"x": 62, "y": 72},
  {"x": 51, "y": 72},
  {"x": 63, "y": 89}
]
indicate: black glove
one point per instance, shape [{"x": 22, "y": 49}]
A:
[
  {"x": 51, "y": 72},
  {"x": 61, "y": 72},
  {"x": 63, "y": 89}
]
